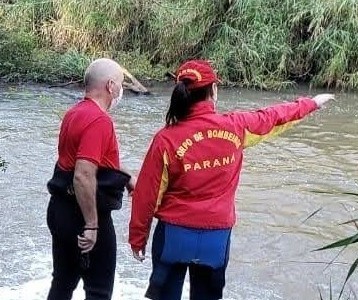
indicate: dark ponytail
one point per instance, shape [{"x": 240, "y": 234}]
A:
[
  {"x": 179, "y": 104},
  {"x": 182, "y": 100}
]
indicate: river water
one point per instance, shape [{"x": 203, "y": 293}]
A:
[{"x": 284, "y": 180}]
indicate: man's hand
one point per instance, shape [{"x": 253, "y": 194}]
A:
[
  {"x": 321, "y": 99},
  {"x": 87, "y": 240},
  {"x": 139, "y": 255},
  {"x": 131, "y": 185}
]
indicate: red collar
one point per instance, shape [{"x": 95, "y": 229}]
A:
[
  {"x": 95, "y": 103},
  {"x": 202, "y": 108}
]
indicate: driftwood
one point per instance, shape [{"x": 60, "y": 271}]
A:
[
  {"x": 170, "y": 75},
  {"x": 134, "y": 86},
  {"x": 66, "y": 83}
]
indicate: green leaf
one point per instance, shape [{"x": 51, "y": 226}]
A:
[
  {"x": 350, "y": 272},
  {"x": 348, "y": 222},
  {"x": 334, "y": 193},
  {"x": 345, "y": 242},
  {"x": 350, "y": 193},
  {"x": 311, "y": 215},
  {"x": 320, "y": 294}
]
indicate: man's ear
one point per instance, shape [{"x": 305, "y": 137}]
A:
[{"x": 109, "y": 86}]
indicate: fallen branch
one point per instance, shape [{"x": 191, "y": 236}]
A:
[
  {"x": 66, "y": 83},
  {"x": 170, "y": 75},
  {"x": 135, "y": 86}
]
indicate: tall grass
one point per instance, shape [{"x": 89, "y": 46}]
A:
[
  {"x": 342, "y": 243},
  {"x": 265, "y": 44}
]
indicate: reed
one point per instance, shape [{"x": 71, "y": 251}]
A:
[
  {"x": 253, "y": 43},
  {"x": 345, "y": 242}
]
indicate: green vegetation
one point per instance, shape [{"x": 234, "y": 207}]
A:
[
  {"x": 343, "y": 243},
  {"x": 253, "y": 43},
  {"x": 3, "y": 164},
  {"x": 346, "y": 242}
]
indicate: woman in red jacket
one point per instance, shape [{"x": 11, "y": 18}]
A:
[{"x": 188, "y": 182}]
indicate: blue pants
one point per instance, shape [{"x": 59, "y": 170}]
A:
[
  {"x": 96, "y": 268},
  {"x": 167, "y": 279}
]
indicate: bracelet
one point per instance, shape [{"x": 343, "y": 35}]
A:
[{"x": 90, "y": 228}]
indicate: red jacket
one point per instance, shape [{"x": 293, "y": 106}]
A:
[{"x": 191, "y": 171}]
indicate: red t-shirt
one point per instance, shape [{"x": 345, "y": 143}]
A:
[{"x": 87, "y": 132}]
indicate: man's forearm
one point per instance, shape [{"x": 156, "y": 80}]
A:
[{"x": 85, "y": 189}]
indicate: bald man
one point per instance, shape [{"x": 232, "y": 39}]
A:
[{"x": 86, "y": 186}]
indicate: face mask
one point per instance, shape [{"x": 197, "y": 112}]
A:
[
  {"x": 116, "y": 100},
  {"x": 215, "y": 94}
]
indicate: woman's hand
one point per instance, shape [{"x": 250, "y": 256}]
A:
[
  {"x": 139, "y": 255},
  {"x": 131, "y": 185},
  {"x": 321, "y": 99}
]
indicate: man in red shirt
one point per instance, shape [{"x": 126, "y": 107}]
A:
[
  {"x": 86, "y": 186},
  {"x": 188, "y": 181}
]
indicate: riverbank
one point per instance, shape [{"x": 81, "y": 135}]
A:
[{"x": 252, "y": 43}]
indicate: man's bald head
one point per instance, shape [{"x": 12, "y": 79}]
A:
[{"x": 100, "y": 71}]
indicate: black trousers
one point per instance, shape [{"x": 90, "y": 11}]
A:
[
  {"x": 166, "y": 281},
  {"x": 65, "y": 221}
]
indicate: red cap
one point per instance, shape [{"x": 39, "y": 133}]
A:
[{"x": 199, "y": 73}]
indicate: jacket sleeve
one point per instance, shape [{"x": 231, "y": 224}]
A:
[
  {"x": 274, "y": 120},
  {"x": 151, "y": 185}
]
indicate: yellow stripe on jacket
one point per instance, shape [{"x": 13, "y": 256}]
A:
[
  {"x": 252, "y": 139},
  {"x": 163, "y": 181}
]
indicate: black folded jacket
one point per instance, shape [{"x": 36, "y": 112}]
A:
[{"x": 110, "y": 187}]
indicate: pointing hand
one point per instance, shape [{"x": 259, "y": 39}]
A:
[{"x": 321, "y": 99}]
